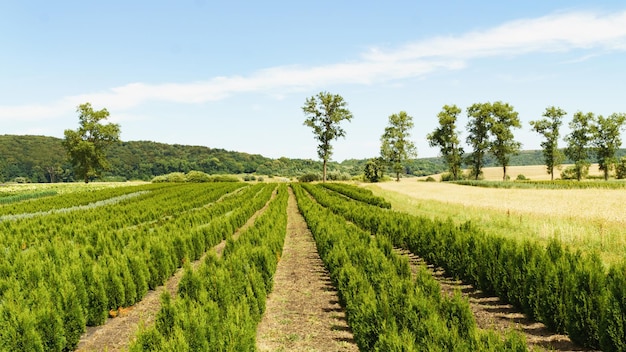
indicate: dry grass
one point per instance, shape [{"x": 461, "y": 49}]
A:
[{"x": 586, "y": 219}]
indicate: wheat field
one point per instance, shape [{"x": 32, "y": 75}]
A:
[{"x": 586, "y": 219}]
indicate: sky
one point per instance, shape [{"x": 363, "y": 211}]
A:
[{"x": 235, "y": 74}]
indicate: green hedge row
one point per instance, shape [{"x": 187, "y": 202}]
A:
[
  {"x": 358, "y": 193},
  {"x": 67, "y": 200},
  {"x": 54, "y": 282},
  {"x": 220, "y": 304},
  {"x": 568, "y": 291},
  {"x": 387, "y": 309}
]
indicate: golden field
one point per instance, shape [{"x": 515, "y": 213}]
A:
[{"x": 586, "y": 219}]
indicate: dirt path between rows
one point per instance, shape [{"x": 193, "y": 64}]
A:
[
  {"x": 491, "y": 313},
  {"x": 117, "y": 333},
  {"x": 303, "y": 311}
]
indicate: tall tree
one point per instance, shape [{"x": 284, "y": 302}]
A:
[
  {"x": 478, "y": 127},
  {"x": 324, "y": 114},
  {"x": 86, "y": 146},
  {"x": 503, "y": 145},
  {"x": 549, "y": 127},
  {"x": 446, "y": 137},
  {"x": 396, "y": 147},
  {"x": 607, "y": 140},
  {"x": 578, "y": 142}
]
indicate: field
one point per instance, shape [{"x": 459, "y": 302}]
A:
[
  {"x": 276, "y": 267},
  {"x": 586, "y": 219}
]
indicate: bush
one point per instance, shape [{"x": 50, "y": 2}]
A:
[
  {"x": 310, "y": 177},
  {"x": 197, "y": 176},
  {"x": 521, "y": 177},
  {"x": 430, "y": 179},
  {"x": 620, "y": 169}
]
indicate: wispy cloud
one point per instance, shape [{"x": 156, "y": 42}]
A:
[{"x": 559, "y": 32}]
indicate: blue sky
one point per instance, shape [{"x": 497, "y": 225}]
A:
[{"x": 235, "y": 74}]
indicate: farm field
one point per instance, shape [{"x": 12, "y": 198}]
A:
[
  {"x": 585, "y": 219},
  {"x": 236, "y": 266}
]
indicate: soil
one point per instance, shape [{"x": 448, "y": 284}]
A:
[
  {"x": 491, "y": 313},
  {"x": 303, "y": 311}
]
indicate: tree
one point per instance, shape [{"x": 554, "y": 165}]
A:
[
  {"x": 86, "y": 146},
  {"x": 606, "y": 140},
  {"x": 549, "y": 128},
  {"x": 324, "y": 114},
  {"x": 578, "y": 142},
  {"x": 503, "y": 144},
  {"x": 373, "y": 170},
  {"x": 478, "y": 127},
  {"x": 446, "y": 137},
  {"x": 396, "y": 147}
]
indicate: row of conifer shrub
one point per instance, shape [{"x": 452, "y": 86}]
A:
[
  {"x": 64, "y": 271},
  {"x": 386, "y": 309},
  {"x": 58, "y": 201},
  {"x": 570, "y": 292},
  {"x": 358, "y": 193},
  {"x": 220, "y": 304}
]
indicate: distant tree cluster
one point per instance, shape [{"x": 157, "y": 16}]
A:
[
  {"x": 589, "y": 136},
  {"x": 489, "y": 131}
]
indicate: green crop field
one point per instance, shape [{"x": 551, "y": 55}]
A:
[{"x": 74, "y": 257}]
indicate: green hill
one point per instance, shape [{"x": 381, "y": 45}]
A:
[{"x": 42, "y": 159}]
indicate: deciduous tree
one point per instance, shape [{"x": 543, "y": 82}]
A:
[
  {"x": 549, "y": 127},
  {"x": 607, "y": 140},
  {"x": 578, "y": 142},
  {"x": 478, "y": 127},
  {"x": 503, "y": 145},
  {"x": 324, "y": 113},
  {"x": 86, "y": 146},
  {"x": 446, "y": 137},
  {"x": 396, "y": 147}
]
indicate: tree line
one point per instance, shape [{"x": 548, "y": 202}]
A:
[{"x": 489, "y": 130}]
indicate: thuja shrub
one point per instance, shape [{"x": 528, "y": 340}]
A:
[
  {"x": 570, "y": 292},
  {"x": 384, "y": 306},
  {"x": 220, "y": 304}
]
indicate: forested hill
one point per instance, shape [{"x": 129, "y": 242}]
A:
[{"x": 42, "y": 159}]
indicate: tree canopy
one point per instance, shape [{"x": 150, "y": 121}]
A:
[
  {"x": 86, "y": 146},
  {"x": 446, "y": 137},
  {"x": 396, "y": 147},
  {"x": 607, "y": 140},
  {"x": 478, "y": 126},
  {"x": 324, "y": 114},
  {"x": 503, "y": 119},
  {"x": 549, "y": 127},
  {"x": 579, "y": 142}
]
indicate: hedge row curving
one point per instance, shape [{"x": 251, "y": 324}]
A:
[{"x": 569, "y": 292}]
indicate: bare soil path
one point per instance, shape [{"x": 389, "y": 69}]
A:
[
  {"x": 303, "y": 311},
  {"x": 117, "y": 333},
  {"x": 491, "y": 313}
]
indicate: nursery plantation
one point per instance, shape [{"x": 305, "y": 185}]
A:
[{"x": 77, "y": 256}]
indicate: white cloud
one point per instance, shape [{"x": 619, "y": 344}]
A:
[{"x": 560, "y": 32}]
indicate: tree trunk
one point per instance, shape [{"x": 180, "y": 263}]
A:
[
  {"x": 397, "y": 177},
  {"x": 324, "y": 172},
  {"x": 504, "y": 174},
  {"x": 606, "y": 173}
]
